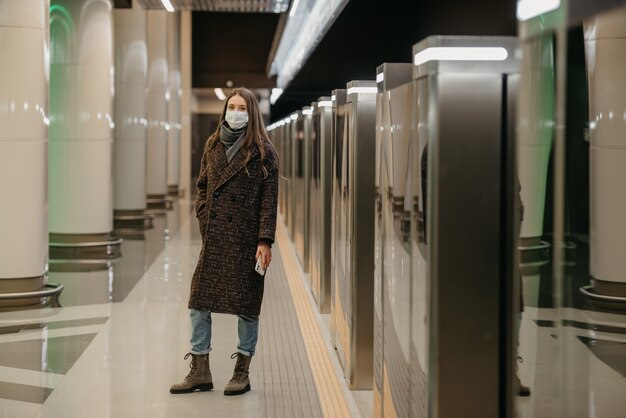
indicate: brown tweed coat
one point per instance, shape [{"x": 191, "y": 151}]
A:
[{"x": 236, "y": 207}]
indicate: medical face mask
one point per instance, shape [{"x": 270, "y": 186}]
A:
[{"x": 236, "y": 119}]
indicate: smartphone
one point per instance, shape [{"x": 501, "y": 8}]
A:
[{"x": 258, "y": 268}]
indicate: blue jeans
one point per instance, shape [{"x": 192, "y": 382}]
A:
[{"x": 248, "y": 330}]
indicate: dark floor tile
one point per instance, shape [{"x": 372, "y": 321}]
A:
[
  {"x": 24, "y": 393},
  {"x": 54, "y": 325},
  {"x": 55, "y": 355},
  {"x": 611, "y": 353}
]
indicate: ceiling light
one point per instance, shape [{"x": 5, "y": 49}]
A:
[
  {"x": 168, "y": 6},
  {"x": 527, "y": 9},
  {"x": 275, "y": 95},
  {"x": 307, "y": 111},
  {"x": 294, "y": 116},
  {"x": 380, "y": 77},
  {"x": 461, "y": 54},
  {"x": 307, "y": 23},
  {"x": 219, "y": 93},
  {"x": 365, "y": 90},
  {"x": 325, "y": 103},
  {"x": 294, "y": 8}
]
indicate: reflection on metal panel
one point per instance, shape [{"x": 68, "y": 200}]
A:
[
  {"x": 420, "y": 291},
  {"x": 467, "y": 186},
  {"x": 397, "y": 177},
  {"x": 300, "y": 187},
  {"x": 320, "y": 204},
  {"x": 337, "y": 314},
  {"x": 353, "y": 294}
]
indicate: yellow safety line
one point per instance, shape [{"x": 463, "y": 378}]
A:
[{"x": 331, "y": 395}]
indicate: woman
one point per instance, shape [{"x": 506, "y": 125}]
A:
[{"x": 236, "y": 210}]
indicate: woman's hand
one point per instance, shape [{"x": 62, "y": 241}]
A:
[{"x": 264, "y": 251}]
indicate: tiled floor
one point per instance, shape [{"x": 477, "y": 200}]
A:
[
  {"x": 589, "y": 380},
  {"x": 118, "y": 340}
]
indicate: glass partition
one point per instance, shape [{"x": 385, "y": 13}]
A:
[{"x": 571, "y": 155}]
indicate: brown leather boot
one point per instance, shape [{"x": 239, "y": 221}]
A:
[
  {"x": 199, "y": 378},
  {"x": 240, "y": 383}
]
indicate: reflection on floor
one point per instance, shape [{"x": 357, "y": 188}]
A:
[
  {"x": 589, "y": 379},
  {"x": 115, "y": 342}
]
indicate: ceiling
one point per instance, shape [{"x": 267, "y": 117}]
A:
[
  {"x": 232, "y": 49},
  {"x": 368, "y": 33},
  {"x": 234, "y": 41},
  {"x": 243, "y": 6}
]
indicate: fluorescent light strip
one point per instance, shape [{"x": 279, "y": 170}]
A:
[
  {"x": 294, "y": 8},
  {"x": 168, "y": 6},
  {"x": 380, "y": 78},
  {"x": 461, "y": 54},
  {"x": 358, "y": 90},
  {"x": 294, "y": 116},
  {"x": 333, "y": 98},
  {"x": 287, "y": 120},
  {"x": 219, "y": 93},
  {"x": 324, "y": 103},
  {"x": 307, "y": 111},
  {"x": 527, "y": 9},
  {"x": 275, "y": 95}
]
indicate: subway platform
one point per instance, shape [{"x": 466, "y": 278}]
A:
[
  {"x": 114, "y": 342},
  {"x": 117, "y": 341}
]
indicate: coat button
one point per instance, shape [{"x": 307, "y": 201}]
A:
[
  {"x": 216, "y": 194},
  {"x": 229, "y": 218},
  {"x": 212, "y": 215}
]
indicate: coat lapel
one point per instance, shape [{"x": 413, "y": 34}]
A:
[{"x": 222, "y": 171}]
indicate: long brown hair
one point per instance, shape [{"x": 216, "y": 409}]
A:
[{"x": 255, "y": 132}]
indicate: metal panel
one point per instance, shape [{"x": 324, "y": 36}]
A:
[
  {"x": 320, "y": 203},
  {"x": 297, "y": 172},
  {"x": 420, "y": 289},
  {"x": 467, "y": 263},
  {"x": 288, "y": 180},
  {"x": 300, "y": 191},
  {"x": 338, "y": 318},
  {"x": 307, "y": 140},
  {"x": 353, "y": 300},
  {"x": 395, "y": 199}
]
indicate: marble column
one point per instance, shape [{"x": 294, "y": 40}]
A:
[
  {"x": 185, "y": 104},
  {"x": 129, "y": 146},
  {"x": 156, "y": 96},
  {"x": 605, "y": 47},
  {"x": 174, "y": 99},
  {"x": 81, "y": 124},
  {"x": 23, "y": 146}
]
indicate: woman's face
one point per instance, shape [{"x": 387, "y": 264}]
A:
[{"x": 237, "y": 103}]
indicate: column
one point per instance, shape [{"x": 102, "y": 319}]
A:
[
  {"x": 129, "y": 146},
  {"x": 174, "y": 98},
  {"x": 185, "y": 105},
  {"x": 23, "y": 146},
  {"x": 81, "y": 124},
  {"x": 158, "y": 75},
  {"x": 535, "y": 132},
  {"x": 605, "y": 47}
]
